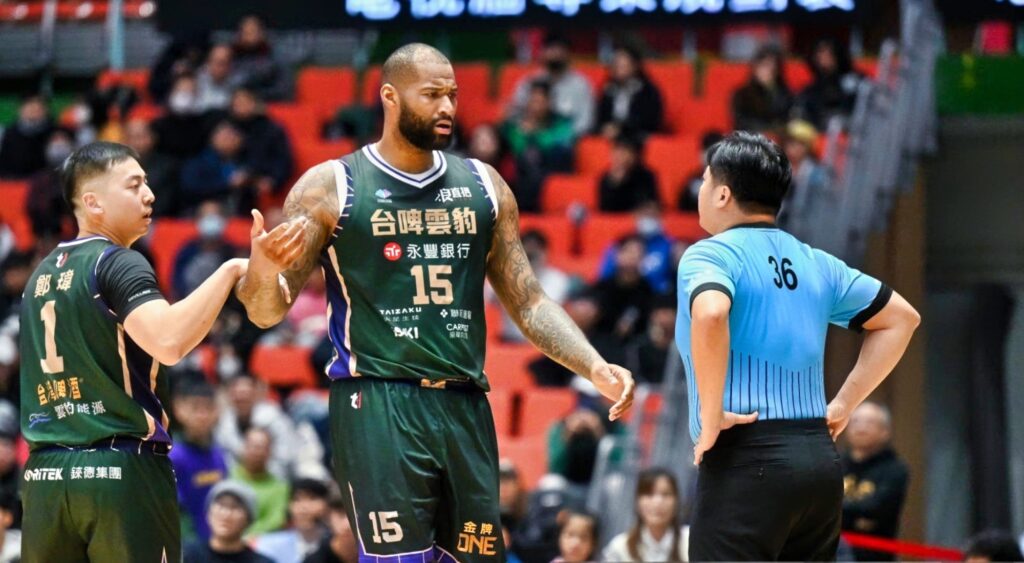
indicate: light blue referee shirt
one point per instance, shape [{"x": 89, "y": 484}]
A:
[{"x": 784, "y": 294}]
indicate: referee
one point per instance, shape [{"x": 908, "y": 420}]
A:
[{"x": 754, "y": 306}]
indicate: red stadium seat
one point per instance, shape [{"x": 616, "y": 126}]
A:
[
  {"x": 492, "y": 314},
  {"x": 502, "y": 408},
  {"x": 510, "y": 76},
  {"x": 701, "y": 115},
  {"x": 592, "y": 155},
  {"x": 558, "y": 230},
  {"x": 300, "y": 122},
  {"x": 145, "y": 112},
  {"x": 137, "y": 79},
  {"x": 13, "y": 212},
  {"x": 310, "y": 153},
  {"x": 283, "y": 366},
  {"x": 530, "y": 456},
  {"x": 672, "y": 159},
  {"x": 471, "y": 115},
  {"x": 542, "y": 408},
  {"x": 562, "y": 190},
  {"x": 797, "y": 75},
  {"x": 586, "y": 267},
  {"x": 169, "y": 235},
  {"x": 595, "y": 73},
  {"x": 325, "y": 89},
  {"x": 868, "y": 66},
  {"x": 506, "y": 366},
  {"x": 370, "y": 87},
  {"x": 675, "y": 83},
  {"x": 601, "y": 230},
  {"x": 684, "y": 226},
  {"x": 720, "y": 81}
]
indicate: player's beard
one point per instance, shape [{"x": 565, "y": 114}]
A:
[{"x": 419, "y": 131}]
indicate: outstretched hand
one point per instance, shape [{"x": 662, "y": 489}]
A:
[
  {"x": 274, "y": 252},
  {"x": 616, "y": 384}
]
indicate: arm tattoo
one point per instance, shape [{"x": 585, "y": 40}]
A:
[
  {"x": 314, "y": 198},
  {"x": 542, "y": 320}
]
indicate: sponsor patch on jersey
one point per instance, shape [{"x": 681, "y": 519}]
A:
[
  {"x": 383, "y": 194},
  {"x": 62, "y": 259},
  {"x": 38, "y": 418},
  {"x": 44, "y": 474},
  {"x": 357, "y": 400},
  {"x": 392, "y": 251}
]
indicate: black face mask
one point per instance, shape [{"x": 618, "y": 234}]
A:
[
  {"x": 420, "y": 132},
  {"x": 556, "y": 65}
]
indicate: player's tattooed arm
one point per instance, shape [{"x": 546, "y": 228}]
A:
[
  {"x": 311, "y": 211},
  {"x": 543, "y": 321}
]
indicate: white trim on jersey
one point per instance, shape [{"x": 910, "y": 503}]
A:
[
  {"x": 78, "y": 241},
  {"x": 420, "y": 180},
  {"x": 340, "y": 183},
  {"x": 481, "y": 170}
]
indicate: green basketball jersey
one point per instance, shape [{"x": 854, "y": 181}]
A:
[
  {"x": 405, "y": 269},
  {"x": 83, "y": 379}
]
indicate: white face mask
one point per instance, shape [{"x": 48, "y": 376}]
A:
[
  {"x": 648, "y": 226},
  {"x": 182, "y": 102}
]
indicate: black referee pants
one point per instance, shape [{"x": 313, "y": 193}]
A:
[{"x": 768, "y": 491}]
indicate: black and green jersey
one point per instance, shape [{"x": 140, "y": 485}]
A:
[
  {"x": 83, "y": 379},
  {"x": 405, "y": 269}
]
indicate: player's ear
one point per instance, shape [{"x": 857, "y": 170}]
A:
[
  {"x": 389, "y": 95},
  {"x": 722, "y": 196},
  {"x": 91, "y": 203}
]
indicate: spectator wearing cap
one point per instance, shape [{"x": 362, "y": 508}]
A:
[
  {"x": 811, "y": 196},
  {"x": 10, "y": 540},
  {"x": 230, "y": 510},
  {"x": 992, "y": 545},
  {"x": 764, "y": 102},
  {"x": 874, "y": 479},
  {"x": 271, "y": 491},
  {"x": 198, "y": 462},
  {"x": 307, "y": 510},
  {"x": 630, "y": 102},
  {"x": 340, "y": 546},
  {"x": 571, "y": 94},
  {"x": 541, "y": 140},
  {"x": 628, "y": 183},
  {"x": 23, "y": 144}
]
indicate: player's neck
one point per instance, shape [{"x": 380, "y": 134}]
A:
[
  {"x": 86, "y": 231},
  {"x": 740, "y": 219},
  {"x": 401, "y": 154}
]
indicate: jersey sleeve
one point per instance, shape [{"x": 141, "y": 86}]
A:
[
  {"x": 125, "y": 280},
  {"x": 857, "y": 296},
  {"x": 705, "y": 266}
]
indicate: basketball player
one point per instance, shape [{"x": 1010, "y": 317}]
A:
[
  {"x": 94, "y": 332},
  {"x": 406, "y": 234}
]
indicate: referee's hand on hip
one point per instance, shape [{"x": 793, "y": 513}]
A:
[{"x": 709, "y": 432}]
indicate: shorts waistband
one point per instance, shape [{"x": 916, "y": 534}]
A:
[
  {"x": 118, "y": 443},
  {"x": 463, "y": 385}
]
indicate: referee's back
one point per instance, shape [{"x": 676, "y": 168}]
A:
[{"x": 784, "y": 294}]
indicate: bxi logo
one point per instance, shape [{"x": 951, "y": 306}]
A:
[{"x": 413, "y": 333}]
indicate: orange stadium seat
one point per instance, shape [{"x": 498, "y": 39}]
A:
[
  {"x": 370, "y": 86},
  {"x": 672, "y": 159},
  {"x": 684, "y": 226},
  {"x": 169, "y": 235},
  {"x": 558, "y": 230},
  {"x": 562, "y": 190},
  {"x": 592, "y": 155},
  {"x": 797, "y": 75},
  {"x": 310, "y": 153},
  {"x": 723, "y": 78},
  {"x": 595, "y": 73},
  {"x": 702, "y": 115},
  {"x": 675, "y": 83},
  {"x": 586, "y": 267},
  {"x": 283, "y": 366},
  {"x": 14, "y": 195},
  {"x": 472, "y": 115},
  {"x": 137, "y": 78},
  {"x": 530, "y": 456},
  {"x": 506, "y": 366},
  {"x": 326, "y": 89},
  {"x": 509, "y": 77},
  {"x": 868, "y": 66},
  {"x": 492, "y": 315},
  {"x": 145, "y": 112},
  {"x": 300, "y": 122},
  {"x": 502, "y": 408},
  {"x": 544, "y": 407},
  {"x": 603, "y": 229}
]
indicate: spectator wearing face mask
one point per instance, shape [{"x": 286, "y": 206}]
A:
[
  {"x": 628, "y": 183},
  {"x": 163, "y": 172},
  {"x": 199, "y": 258},
  {"x": 572, "y": 445},
  {"x": 23, "y": 146},
  {"x": 555, "y": 283},
  {"x": 181, "y": 131},
  {"x": 656, "y": 264},
  {"x": 50, "y": 216},
  {"x": 571, "y": 94},
  {"x": 216, "y": 80}
]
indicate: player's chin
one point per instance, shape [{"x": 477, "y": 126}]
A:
[{"x": 442, "y": 141}]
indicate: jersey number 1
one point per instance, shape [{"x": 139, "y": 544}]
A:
[
  {"x": 52, "y": 363},
  {"x": 440, "y": 288}
]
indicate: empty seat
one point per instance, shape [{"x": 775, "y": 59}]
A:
[
  {"x": 702, "y": 115},
  {"x": 603, "y": 229},
  {"x": 544, "y": 407},
  {"x": 530, "y": 456},
  {"x": 723, "y": 78},
  {"x": 370, "y": 86},
  {"x": 595, "y": 73},
  {"x": 14, "y": 194},
  {"x": 684, "y": 226},
  {"x": 592, "y": 155},
  {"x": 299, "y": 121},
  {"x": 557, "y": 229},
  {"x": 310, "y": 153},
  {"x": 509, "y": 77},
  {"x": 502, "y": 408},
  {"x": 507, "y": 366},
  {"x": 563, "y": 190},
  {"x": 283, "y": 366},
  {"x": 674, "y": 80},
  {"x": 586, "y": 267},
  {"x": 326, "y": 89},
  {"x": 797, "y": 75},
  {"x": 672, "y": 159}
]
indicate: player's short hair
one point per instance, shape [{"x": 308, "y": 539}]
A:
[
  {"x": 312, "y": 487},
  {"x": 401, "y": 64},
  {"x": 755, "y": 169},
  {"x": 88, "y": 162}
]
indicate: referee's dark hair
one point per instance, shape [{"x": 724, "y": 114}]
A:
[
  {"x": 755, "y": 169},
  {"x": 88, "y": 161}
]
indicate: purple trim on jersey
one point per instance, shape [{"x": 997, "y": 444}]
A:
[
  {"x": 483, "y": 187},
  {"x": 428, "y": 555},
  {"x": 94, "y": 286},
  {"x": 338, "y": 368},
  {"x": 140, "y": 364}
]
